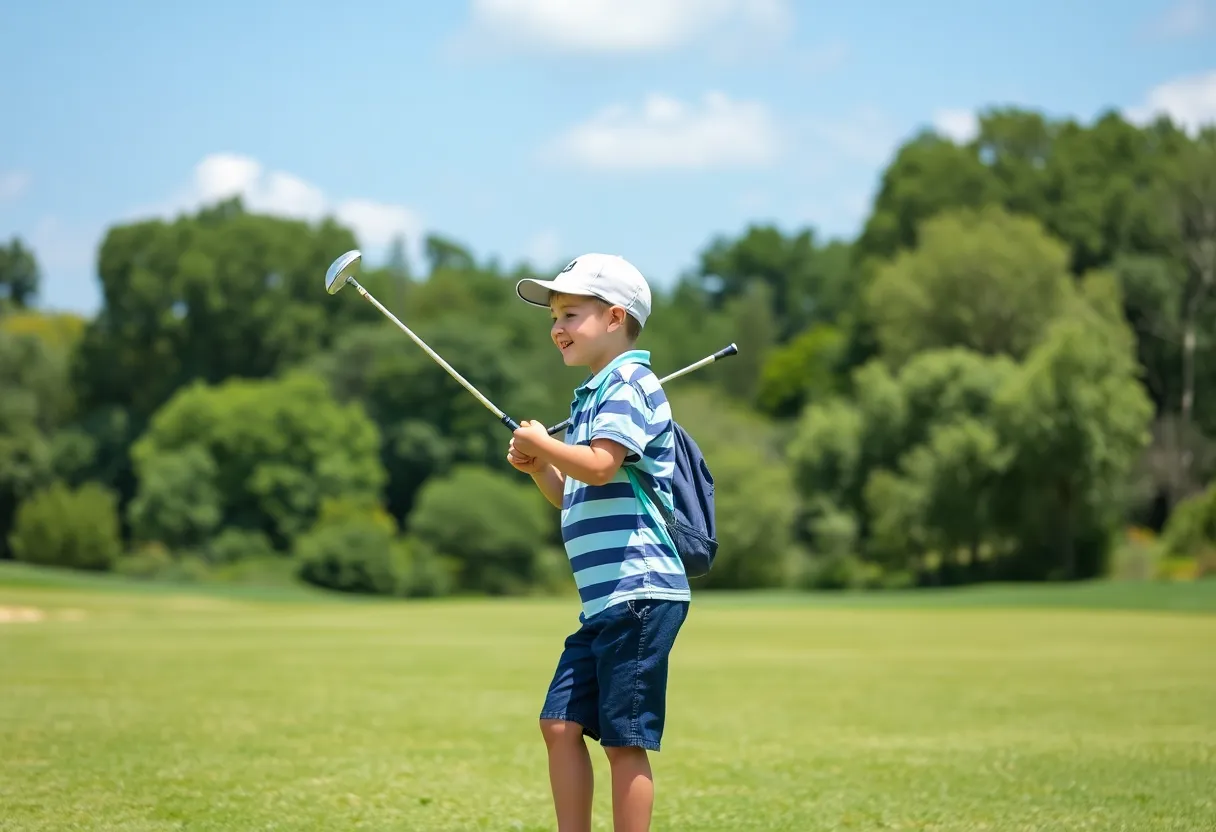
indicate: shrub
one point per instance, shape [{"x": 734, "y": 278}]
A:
[
  {"x": 178, "y": 503},
  {"x": 491, "y": 525},
  {"x": 149, "y": 560},
  {"x": 234, "y": 544},
  {"x": 840, "y": 571},
  {"x": 62, "y": 526},
  {"x": 268, "y": 570},
  {"x": 424, "y": 572},
  {"x": 1138, "y": 557},
  {"x": 1192, "y": 526},
  {"x": 552, "y": 572},
  {"x": 351, "y": 555}
]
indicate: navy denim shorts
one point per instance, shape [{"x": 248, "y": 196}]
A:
[{"x": 612, "y": 675}]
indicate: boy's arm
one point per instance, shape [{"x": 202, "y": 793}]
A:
[
  {"x": 594, "y": 464},
  {"x": 621, "y": 428},
  {"x": 551, "y": 483}
]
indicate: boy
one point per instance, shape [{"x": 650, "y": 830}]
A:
[{"x": 611, "y": 679}]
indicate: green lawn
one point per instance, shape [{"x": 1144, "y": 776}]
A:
[{"x": 155, "y": 709}]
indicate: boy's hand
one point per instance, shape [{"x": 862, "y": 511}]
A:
[
  {"x": 522, "y": 462},
  {"x": 530, "y": 438}
]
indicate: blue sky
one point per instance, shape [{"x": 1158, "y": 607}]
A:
[{"x": 535, "y": 129}]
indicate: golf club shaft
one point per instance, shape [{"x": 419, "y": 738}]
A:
[
  {"x": 728, "y": 350},
  {"x": 502, "y": 417}
]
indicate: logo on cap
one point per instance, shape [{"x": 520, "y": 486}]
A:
[{"x": 569, "y": 266}]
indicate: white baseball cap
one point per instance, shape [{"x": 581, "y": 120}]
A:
[{"x": 610, "y": 278}]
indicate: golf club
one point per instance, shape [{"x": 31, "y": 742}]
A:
[
  {"x": 342, "y": 271},
  {"x": 726, "y": 351}
]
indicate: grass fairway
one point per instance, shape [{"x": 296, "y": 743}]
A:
[{"x": 127, "y": 709}]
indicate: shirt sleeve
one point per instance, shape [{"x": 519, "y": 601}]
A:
[{"x": 625, "y": 416}]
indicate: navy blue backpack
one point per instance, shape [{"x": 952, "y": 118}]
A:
[{"x": 691, "y": 526}]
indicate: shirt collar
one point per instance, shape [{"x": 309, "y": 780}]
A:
[{"x": 627, "y": 357}]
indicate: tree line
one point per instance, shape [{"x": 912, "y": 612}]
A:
[{"x": 1010, "y": 374}]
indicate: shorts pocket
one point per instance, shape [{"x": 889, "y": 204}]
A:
[{"x": 639, "y": 609}]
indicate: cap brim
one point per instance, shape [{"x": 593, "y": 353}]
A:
[{"x": 535, "y": 292}]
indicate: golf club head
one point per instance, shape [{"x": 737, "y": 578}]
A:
[{"x": 340, "y": 269}]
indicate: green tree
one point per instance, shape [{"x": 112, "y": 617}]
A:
[
  {"x": 1075, "y": 419},
  {"x": 805, "y": 369},
  {"x": 957, "y": 474},
  {"x": 427, "y": 421},
  {"x": 754, "y": 496},
  {"x": 806, "y": 282},
  {"x": 1193, "y": 212},
  {"x": 35, "y": 406},
  {"x": 444, "y": 254},
  {"x": 274, "y": 449},
  {"x": 928, "y": 175},
  {"x": 1101, "y": 184},
  {"x": 685, "y": 325},
  {"x": 1093, "y": 187},
  {"x": 827, "y": 453},
  {"x": 753, "y": 323},
  {"x": 19, "y": 276},
  {"x": 219, "y": 294},
  {"x": 986, "y": 280}
]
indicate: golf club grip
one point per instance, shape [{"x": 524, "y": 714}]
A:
[
  {"x": 728, "y": 350},
  {"x": 510, "y": 423}
]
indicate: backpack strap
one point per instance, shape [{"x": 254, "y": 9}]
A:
[
  {"x": 654, "y": 506},
  {"x": 643, "y": 491}
]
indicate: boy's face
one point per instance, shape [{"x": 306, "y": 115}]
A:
[{"x": 585, "y": 329}]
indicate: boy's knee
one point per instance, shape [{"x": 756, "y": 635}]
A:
[
  {"x": 558, "y": 731},
  {"x": 618, "y": 755}
]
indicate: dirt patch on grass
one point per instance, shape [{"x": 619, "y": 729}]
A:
[
  {"x": 20, "y": 615},
  {"x": 31, "y": 615}
]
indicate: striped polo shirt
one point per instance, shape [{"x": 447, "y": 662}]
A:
[{"x": 617, "y": 547}]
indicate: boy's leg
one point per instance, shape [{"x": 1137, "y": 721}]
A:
[
  {"x": 632, "y": 788},
  {"x": 633, "y": 653},
  {"x": 570, "y": 774},
  {"x": 570, "y": 712}
]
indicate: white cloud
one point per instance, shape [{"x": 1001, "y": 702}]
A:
[
  {"x": 68, "y": 253},
  {"x": 1184, "y": 19},
  {"x": 957, "y": 125},
  {"x": 1190, "y": 101},
  {"x": 377, "y": 223},
  {"x": 13, "y": 184},
  {"x": 224, "y": 175},
  {"x": 619, "y": 26},
  {"x": 667, "y": 133}
]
